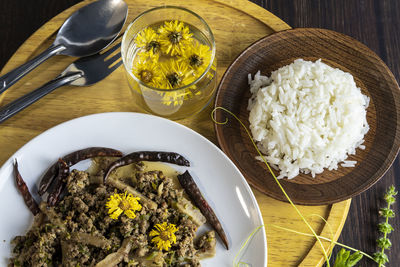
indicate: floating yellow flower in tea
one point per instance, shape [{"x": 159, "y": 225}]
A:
[
  {"x": 176, "y": 74},
  {"x": 175, "y": 36},
  {"x": 149, "y": 40},
  {"x": 148, "y": 72},
  {"x": 164, "y": 235},
  {"x": 197, "y": 56},
  {"x": 170, "y": 58},
  {"x": 123, "y": 203}
]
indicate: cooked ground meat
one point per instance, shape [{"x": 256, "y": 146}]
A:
[{"x": 78, "y": 231}]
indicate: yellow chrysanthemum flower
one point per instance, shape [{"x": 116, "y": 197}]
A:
[
  {"x": 148, "y": 72},
  {"x": 123, "y": 203},
  {"x": 176, "y": 74},
  {"x": 148, "y": 39},
  {"x": 164, "y": 235},
  {"x": 197, "y": 56},
  {"x": 174, "y": 37}
]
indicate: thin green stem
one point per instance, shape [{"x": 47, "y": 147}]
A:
[
  {"x": 244, "y": 245},
  {"x": 323, "y": 238},
  {"x": 330, "y": 230},
  {"x": 273, "y": 174}
]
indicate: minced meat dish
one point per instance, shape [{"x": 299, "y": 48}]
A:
[{"x": 141, "y": 218}]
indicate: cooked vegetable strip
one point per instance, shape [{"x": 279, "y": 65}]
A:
[
  {"x": 122, "y": 186},
  {"x": 88, "y": 239},
  {"x": 60, "y": 183},
  {"x": 186, "y": 207},
  {"x": 169, "y": 157},
  {"x": 52, "y": 216},
  {"x": 195, "y": 195},
  {"x": 72, "y": 159},
  {"x": 23, "y": 189},
  {"x": 114, "y": 258}
]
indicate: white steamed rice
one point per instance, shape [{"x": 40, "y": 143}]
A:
[{"x": 306, "y": 117}]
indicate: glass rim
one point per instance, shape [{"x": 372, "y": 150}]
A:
[{"x": 188, "y": 85}]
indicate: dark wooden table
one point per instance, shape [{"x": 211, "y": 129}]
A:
[{"x": 373, "y": 22}]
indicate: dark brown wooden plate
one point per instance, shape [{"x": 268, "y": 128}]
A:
[{"x": 337, "y": 50}]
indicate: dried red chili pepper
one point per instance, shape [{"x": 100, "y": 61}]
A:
[
  {"x": 60, "y": 183},
  {"x": 72, "y": 159},
  {"x": 195, "y": 195},
  {"x": 23, "y": 189},
  {"x": 169, "y": 157}
]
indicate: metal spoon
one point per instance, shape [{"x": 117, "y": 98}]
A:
[{"x": 86, "y": 32}]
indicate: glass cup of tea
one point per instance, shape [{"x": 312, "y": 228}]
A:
[{"x": 170, "y": 62}]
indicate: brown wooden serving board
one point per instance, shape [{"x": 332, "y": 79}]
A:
[{"x": 236, "y": 24}]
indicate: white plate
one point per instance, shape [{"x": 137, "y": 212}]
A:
[{"x": 220, "y": 181}]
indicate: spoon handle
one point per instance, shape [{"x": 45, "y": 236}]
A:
[
  {"x": 13, "y": 76},
  {"x": 17, "y": 105}
]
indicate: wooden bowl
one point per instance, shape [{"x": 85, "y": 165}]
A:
[{"x": 337, "y": 50}]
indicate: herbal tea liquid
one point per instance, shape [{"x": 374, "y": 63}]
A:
[{"x": 169, "y": 62}]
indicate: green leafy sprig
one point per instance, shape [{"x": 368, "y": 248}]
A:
[
  {"x": 345, "y": 259},
  {"x": 384, "y": 243}
]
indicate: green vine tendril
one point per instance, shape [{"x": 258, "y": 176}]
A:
[{"x": 273, "y": 174}]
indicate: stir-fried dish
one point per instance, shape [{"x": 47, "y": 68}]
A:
[{"x": 111, "y": 215}]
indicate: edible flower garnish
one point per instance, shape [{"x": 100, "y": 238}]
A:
[
  {"x": 148, "y": 72},
  {"x": 123, "y": 203},
  {"x": 164, "y": 235},
  {"x": 176, "y": 74},
  {"x": 197, "y": 56},
  {"x": 174, "y": 37},
  {"x": 149, "y": 40}
]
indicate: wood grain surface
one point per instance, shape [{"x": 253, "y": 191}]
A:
[
  {"x": 373, "y": 22},
  {"x": 339, "y": 51},
  {"x": 113, "y": 94}
]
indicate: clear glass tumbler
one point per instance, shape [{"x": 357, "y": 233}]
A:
[{"x": 173, "y": 103}]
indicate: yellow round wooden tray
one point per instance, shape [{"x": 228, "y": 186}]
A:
[{"x": 236, "y": 24}]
